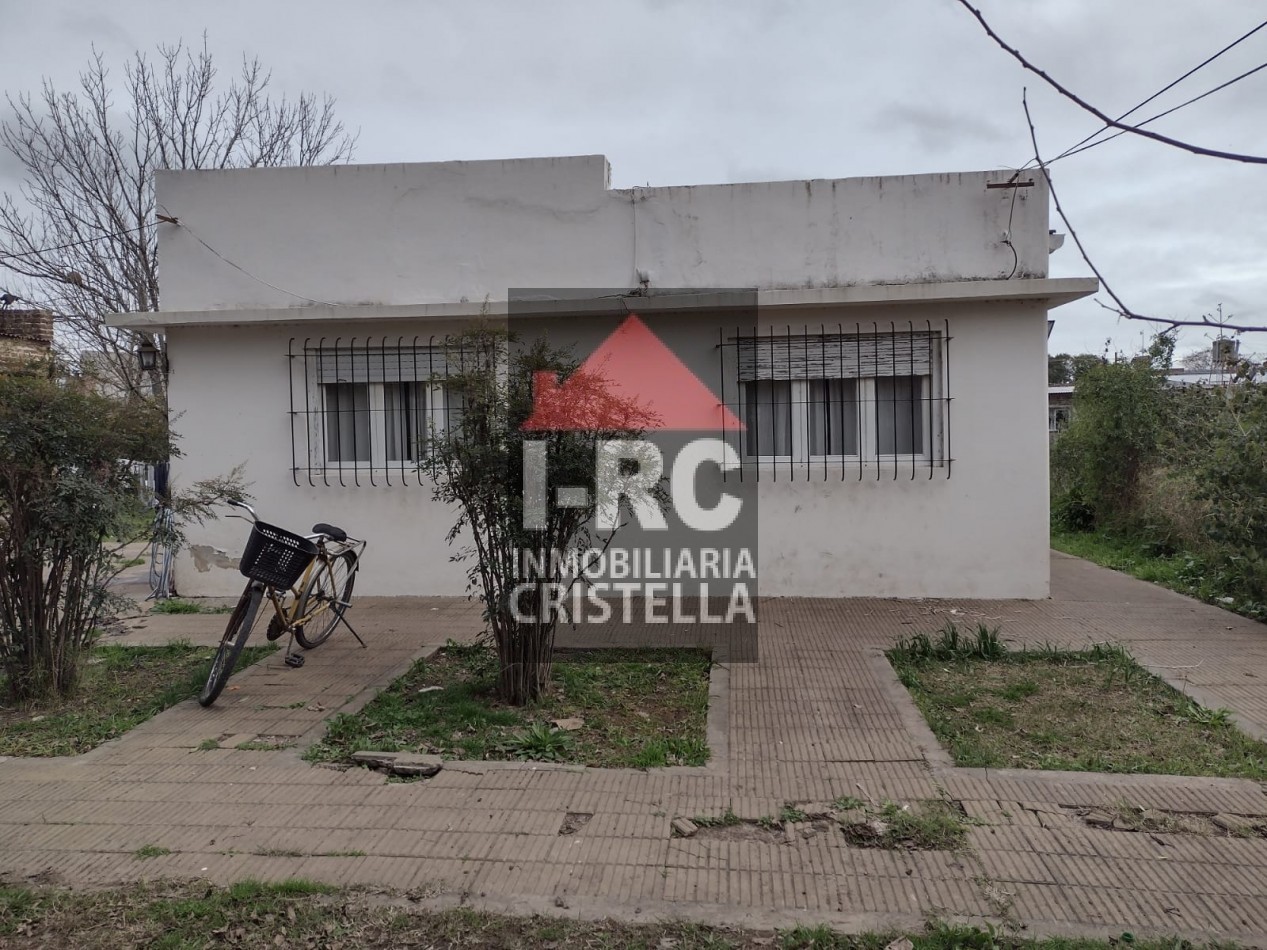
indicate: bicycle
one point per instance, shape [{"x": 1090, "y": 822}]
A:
[
  {"x": 308, "y": 581},
  {"x": 162, "y": 552}
]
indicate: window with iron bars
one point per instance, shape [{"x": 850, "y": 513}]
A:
[
  {"x": 368, "y": 411},
  {"x": 839, "y": 401}
]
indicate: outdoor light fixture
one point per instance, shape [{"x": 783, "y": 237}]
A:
[{"x": 147, "y": 353}]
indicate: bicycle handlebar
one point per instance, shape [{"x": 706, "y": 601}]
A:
[
  {"x": 242, "y": 504},
  {"x": 350, "y": 541}
]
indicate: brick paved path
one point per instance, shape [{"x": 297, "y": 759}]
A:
[{"x": 821, "y": 715}]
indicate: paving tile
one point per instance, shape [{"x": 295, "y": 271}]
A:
[{"x": 816, "y": 718}]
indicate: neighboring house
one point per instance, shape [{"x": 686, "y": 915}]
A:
[
  {"x": 1178, "y": 378},
  {"x": 890, "y": 377},
  {"x": 103, "y": 373},
  {"x": 1059, "y": 408},
  {"x": 26, "y": 336}
]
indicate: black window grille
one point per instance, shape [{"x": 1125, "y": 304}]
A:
[
  {"x": 364, "y": 411},
  {"x": 863, "y": 401},
  {"x": 853, "y": 401}
]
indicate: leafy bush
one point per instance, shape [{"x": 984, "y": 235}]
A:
[
  {"x": 1179, "y": 474},
  {"x": 1114, "y": 437},
  {"x": 65, "y": 487}
]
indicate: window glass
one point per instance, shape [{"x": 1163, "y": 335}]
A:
[
  {"x": 405, "y": 421},
  {"x": 768, "y": 417},
  {"x": 347, "y": 421},
  {"x": 899, "y": 414},
  {"x": 833, "y": 417}
]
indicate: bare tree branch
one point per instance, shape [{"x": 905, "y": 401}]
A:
[
  {"x": 1121, "y": 309},
  {"x": 78, "y": 232},
  {"x": 1104, "y": 117}
]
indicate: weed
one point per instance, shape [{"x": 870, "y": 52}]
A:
[
  {"x": 1221, "y": 718},
  {"x": 150, "y": 851},
  {"x": 263, "y": 744},
  {"x": 820, "y": 937},
  {"x": 175, "y": 605},
  {"x": 540, "y": 742},
  {"x": 790, "y": 814},
  {"x": 726, "y": 819},
  {"x": 847, "y": 803},
  {"x": 1022, "y": 690},
  {"x": 206, "y": 745},
  {"x": 926, "y": 826},
  {"x": 984, "y": 644}
]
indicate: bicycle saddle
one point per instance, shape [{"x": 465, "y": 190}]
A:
[{"x": 330, "y": 531}]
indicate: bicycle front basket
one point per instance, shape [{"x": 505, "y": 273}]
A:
[{"x": 276, "y": 557}]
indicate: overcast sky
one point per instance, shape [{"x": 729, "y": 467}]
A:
[{"x": 694, "y": 91}]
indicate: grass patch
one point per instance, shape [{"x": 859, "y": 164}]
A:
[
  {"x": 726, "y": 819},
  {"x": 301, "y": 913},
  {"x": 1092, "y": 710},
  {"x": 924, "y": 826},
  {"x": 175, "y": 605},
  {"x": 150, "y": 851},
  {"x": 639, "y": 709},
  {"x": 120, "y": 687},
  {"x": 266, "y": 744},
  {"x": 1181, "y": 572}
]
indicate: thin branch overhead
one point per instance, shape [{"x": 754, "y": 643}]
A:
[
  {"x": 1102, "y": 116},
  {"x": 1082, "y": 145},
  {"x": 1121, "y": 309}
]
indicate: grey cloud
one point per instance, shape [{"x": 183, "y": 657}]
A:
[
  {"x": 688, "y": 91},
  {"x": 935, "y": 128}
]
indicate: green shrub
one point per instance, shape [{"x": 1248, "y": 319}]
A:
[
  {"x": 1114, "y": 437},
  {"x": 65, "y": 487}
]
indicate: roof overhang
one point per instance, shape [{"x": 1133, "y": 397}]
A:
[{"x": 1052, "y": 291}]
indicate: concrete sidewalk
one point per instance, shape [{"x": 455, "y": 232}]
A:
[{"x": 821, "y": 715}]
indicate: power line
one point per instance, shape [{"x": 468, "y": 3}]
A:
[
  {"x": 1163, "y": 90},
  {"x": 1103, "y": 117},
  {"x": 239, "y": 267},
  {"x": 1078, "y": 149},
  {"x": 1122, "y": 310},
  {"x": 63, "y": 247}
]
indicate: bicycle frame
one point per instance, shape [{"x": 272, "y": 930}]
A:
[
  {"x": 325, "y": 559},
  {"x": 288, "y": 616}
]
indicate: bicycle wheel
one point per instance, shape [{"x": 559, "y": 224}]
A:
[
  {"x": 330, "y": 589},
  {"x": 231, "y": 644},
  {"x": 168, "y": 541},
  {"x": 156, "y": 549}
]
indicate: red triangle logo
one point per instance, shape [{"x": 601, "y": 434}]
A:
[{"x": 632, "y": 381}]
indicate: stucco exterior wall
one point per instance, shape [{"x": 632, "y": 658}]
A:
[
  {"x": 465, "y": 232},
  {"x": 450, "y": 231},
  {"x": 982, "y": 532}
]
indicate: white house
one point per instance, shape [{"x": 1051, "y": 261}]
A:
[{"x": 892, "y": 376}]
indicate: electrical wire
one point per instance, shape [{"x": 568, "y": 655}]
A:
[
  {"x": 1081, "y": 147},
  {"x": 63, "y": 247},
  {"x": 1121, "y": 309},
  {"x": 1077, "y": 146},
  {"x": 1086, "y": 106},
  {"x": 260, "y": 280}
]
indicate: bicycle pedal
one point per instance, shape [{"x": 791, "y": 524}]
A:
[{"x": 294, "y": 659}]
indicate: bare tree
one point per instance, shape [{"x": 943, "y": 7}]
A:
[{"x": 80, "y": 234}]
